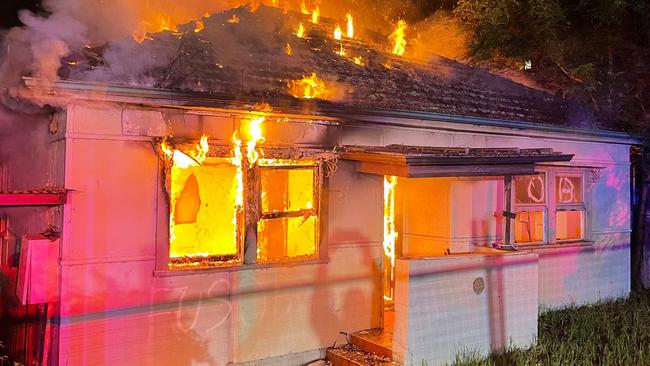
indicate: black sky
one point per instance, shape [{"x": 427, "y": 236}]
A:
[{"x": 9, "y": 11}]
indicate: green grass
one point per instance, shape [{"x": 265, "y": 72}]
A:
[{"x": 608, "y": 333}]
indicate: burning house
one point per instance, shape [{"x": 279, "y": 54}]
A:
[{"x": 271, "y": 186}]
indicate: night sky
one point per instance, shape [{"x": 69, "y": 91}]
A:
[{"x": 9, "y": 11}]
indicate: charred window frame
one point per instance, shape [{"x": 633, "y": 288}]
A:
[
  {"x": 288, "y": 221},
  {"x": 249, "y": 214},
  {"x": 564, "y": 209}
]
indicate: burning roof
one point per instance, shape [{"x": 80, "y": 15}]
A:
[{"x": 259, "y": 55}]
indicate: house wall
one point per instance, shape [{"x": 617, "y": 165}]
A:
[
  {"x": 464, "y": 306},
  {"x": 576, "y": 275},
  {"x": 119, "y": 307}
]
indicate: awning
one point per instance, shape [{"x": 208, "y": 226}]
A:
[{"x": 422, "y": 162}]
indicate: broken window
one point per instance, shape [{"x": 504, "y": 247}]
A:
[
  {"x": 564, "y": 205},
  {"x": 570, "y": 209},
  {"x": 203, "y": 226},
  {"x": 288, "y": 225},
  {"x": 530, "y": 207}
]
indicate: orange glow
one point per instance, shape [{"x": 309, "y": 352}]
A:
[
  {"x": 314, "y": 15},
  {"x": 341, "y": 51},
  {"x": 199, "y": 26},
  {"x": 234, "y": 19},
  {"x": 253, "y": 130},
  {"x": 288, "y": 50},
  {"x": 309, "y": 87},
  {"x": 358, "y": 60},
  {"x": 303, "y": 8},
  {"x": 338, "y": 33},
  {"x": 399, "y": 42},
  {"x": 194, "y": 239},
  {"x": 390, "y": 234},
  {"x": 350, "y": 30},
  {"x": 300, "y": 32}
]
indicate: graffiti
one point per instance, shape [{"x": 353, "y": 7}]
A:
[
  {"x": 536, "y": 189},
  {"x": 566, "y": 190}
]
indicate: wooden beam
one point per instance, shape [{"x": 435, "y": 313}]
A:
[
  {"x": 32, "y": 199},
  {"x": 426, "y": 171}
]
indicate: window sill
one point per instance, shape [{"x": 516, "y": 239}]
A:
[
  {"x": 560, "y": 245},
  {"x": 236, "y": 268}
]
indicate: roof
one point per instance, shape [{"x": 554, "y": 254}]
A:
[
  {"x": 247, "y": 60},
  {"x": 419, "y": 161}
]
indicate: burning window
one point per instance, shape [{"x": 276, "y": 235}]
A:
[
  {"x": 288, "y": 225},
  {"x": 203, "y": 216},
  {"x": 212, "y": 200}
]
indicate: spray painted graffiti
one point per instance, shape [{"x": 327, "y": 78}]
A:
[
  {"x": 536, "y": 189},
  {"x": 566, "y": 190}
]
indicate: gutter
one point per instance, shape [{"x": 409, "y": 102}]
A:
[{"x": 286, "y": 104}]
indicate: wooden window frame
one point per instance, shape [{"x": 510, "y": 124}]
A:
[
  {"x": 551, "y": 206},
  {"x": 252, "y": 214}
]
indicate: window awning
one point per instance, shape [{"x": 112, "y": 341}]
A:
[{"x": 423, "y": 162}]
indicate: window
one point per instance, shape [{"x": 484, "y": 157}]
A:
[
  {"x": 215, "y": 201},
  {"x": 288, "y": 225},
  {"x": 570, "y": 209},
  {"x": 549, "y": 218},
  {"x": 530, "y": 208},
  {"x": 204, "y": 221}
]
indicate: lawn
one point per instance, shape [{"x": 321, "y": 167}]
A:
[{"x": 608, "y": 333}]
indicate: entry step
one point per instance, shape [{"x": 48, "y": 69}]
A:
[{"x": 353, "y": 355}]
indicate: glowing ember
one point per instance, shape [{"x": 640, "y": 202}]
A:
[
  {"x": 350, "y": 30},
  {"x": 338, "y": 33},
  {"x": 309, "y": 87},
  {"x": 358, "y": 60},
  {"x": 399, "y": 42},
  {"x": 288, "y": 50},
  {"x": 314, "y": 15},
  {"x": 234, "y": 19},
  {"x": 390, "y": 234},
  {"x": 300, "y": 32},
  {"x": 199, "y": 26}
]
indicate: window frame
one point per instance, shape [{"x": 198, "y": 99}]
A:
[
  {"x": 552, "y": 206},
  {"x": 251, "y": 212},
  {"x": 317, "y": 168}
]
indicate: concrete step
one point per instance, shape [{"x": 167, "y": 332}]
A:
[
  {"x": 353, "y": 355},
  {"x": 375, "y": 341}
]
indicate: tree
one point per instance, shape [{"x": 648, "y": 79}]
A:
[{"x": 594, "y": 52}]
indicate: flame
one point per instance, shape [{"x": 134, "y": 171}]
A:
[
  {"x": 288, "y": 50},
  {"x": 184, "y": 160},
  {"x": 350, "y": 30},
  {"x": 254, "y": 131},
  {"x": 314, "y": 15},
  {"x": 338, "y": 33},
  {"x": 300, "y": 32},
  {"x": 237, "y": 160},
  {"x": 340, "y": 51},
  {"x": 254, "y": 5},
  {"x": 358, "y": 60},
  {"x": 303, "y": 8},
  {"x": 199, "y": 26},
  {"x": 390, "y": 234},
  {"x": 234, "y": 19},
  {"x": 309, "y": 87},
  {"x": 399, "y": 42}
]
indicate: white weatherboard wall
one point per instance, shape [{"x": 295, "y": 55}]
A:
[
  {"x": 578, "y": 275},
  {"x": 117, "y": 310},
  {"x": 466, "y": 304}
]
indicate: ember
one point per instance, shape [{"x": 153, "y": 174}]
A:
[
  {"x": 309, "y": 87},
  {"x": 199, "y": 26},
  {"x": 234, "y": 19}
]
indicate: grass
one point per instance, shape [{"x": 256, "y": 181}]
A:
[{"x": 607, "y": 333}]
